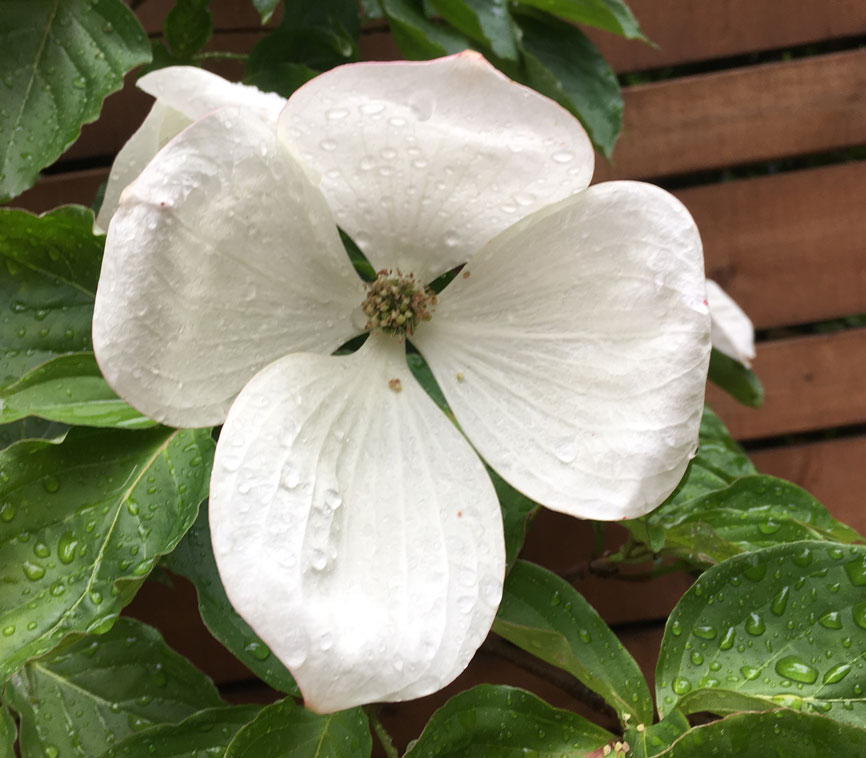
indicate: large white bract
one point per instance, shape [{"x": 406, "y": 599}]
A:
[{"x": 354, "y": 526}]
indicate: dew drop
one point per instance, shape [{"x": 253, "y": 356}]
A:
[
  {"x": 676, "y": 628},
  {"x": 7, "y": 512},
  {"x": 335, "y": 114},
  {"x": 831, "y": 620},
  {"x": 856, "y": 571},
  {"x": 803, "y": 558},
  {"x": 564, "y": 451},
  {"x": 696, "y": 658},
  {"x": 780, "y": 602},
  {"x": 859, "y": 613},
  {"x": 66, "y": 547},
  {"x": 563, "y": 156},
  {"x": 756, "y": 570},
  {"x": 290, "y": 476},
  {"x": 372, "y": 109},
  {"x": 755, "y": 625},
  {"x": 793, "y": 668},
  {"x": 727, "y": 641},
  {"x": 41, "y": 550},
  {"x": 585, "y": 636},
  {"x": 8, "y": 631},
  {"x": 328, "y": 145},
  {"x": 750, "y": 672},
  {"x": 704, "y": 632},
  {"x": 681, "y": 685},
  {"x": 50, "y": 483},
  {"x": 837, "y": 673},
  {"x": 257, "y": 650},
  {"x": 33, "y": 571},
  {"x": 333, "y": 500}
]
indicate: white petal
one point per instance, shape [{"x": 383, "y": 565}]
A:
[
  {"x": 575, "y": 354},
  {"x": 221, "y": 258},
  {"x": 161, "y": 124},
  {"x": 354, "y": 528},
  {"x": 732, "y": 330},
  {"x": 423, "y": 163},
  {"x": 184, "y": 94},
  {"x": 196, "y": 92}
]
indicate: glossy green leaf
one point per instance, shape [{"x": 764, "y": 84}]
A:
[
  {"x": 266, "y": 8},
  {"x": 421, "y": 371},
  {"x": 611, "y": 15},
  {"x": 8, "y": 733},
  {"x": 546, "y": 616},
  {"x": 69, "y": 389},
  {"x": 286, "y": 730},
  {"x": 416, "y": 36},
  {"x": 485, "y": 21},
  {"x": 735, "y": 379},
  {"x": 59, "y": 59},
  {"x": 50, "y": 267},
  {"x": 650, "y": 741},
  {"x": 496, "y": 721},
  {"x": 782, "y": 733},
  {"x": 517, "y": 514},
  {"x": 82, "y": 523},
  {"x": 206, "y": 733},
  {"x": 30, "y": 429},
  {"x": 562, "y": 63},
  {"x": 193, "y": 559},
  {"x": 784, "y": 626},
  {"x": 752, "y": 513},
  {"x": 188, "y": 27},
  {"x": 82, "y": 698},
  {"x": 313, "y": 36}
]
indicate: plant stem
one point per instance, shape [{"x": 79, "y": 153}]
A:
[{"x": 381, "y": 733}]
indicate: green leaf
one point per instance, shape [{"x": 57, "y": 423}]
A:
[
  {"x": 30, "y": 429},
  {"x": 286, "y": 730},
  {"x": 207, "y": 733},
  {"x": 193, "y": 559},
  {"x": 546, "y": 616},
  {"x": 517, "y": 514},
  {"x": 495, "y": 721},
  {"x": 97, "y": 690},
  {"x": 8, "y": 733},
  {"x": 485, "y": 21},
  {"x": 562, "y": 63},
  {"x": 610, "y": 15},
  {"x": 784, "y": 626},
  {"x": 69, "y": 389},
  {"x": 653, "y": 740},
  {"x": 314, "y": 35},
  {"x": 752, "y": 513},
  {"x": 782, "y": 733},
  {"x": 266, "y": 8},
  {"x": 421, "y": 371},
  {"x": 188, "y": 27},
  {"x": 59, "y": 60},
  {"x": 735, "y": 379},
  {"x": 162, "y": 57},
  {"x": 51, "y": 266},
  {"x": 417, "y": 37},
  {"x": 82, "y": 523}
]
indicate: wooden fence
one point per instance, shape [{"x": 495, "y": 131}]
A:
[{"x": 754, "y": 113}]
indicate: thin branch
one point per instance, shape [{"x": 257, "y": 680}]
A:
[
  {"x": 559, "y": 678},
  {"x": 381, "y": 733}
]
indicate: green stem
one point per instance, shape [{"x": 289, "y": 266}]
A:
[
  {"x": 221, "y": 55},
  {"x": 381, "y": 733}
]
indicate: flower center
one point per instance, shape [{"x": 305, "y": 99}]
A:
[{"x": 396, "y": 304}]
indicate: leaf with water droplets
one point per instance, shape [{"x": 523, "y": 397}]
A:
[
  {"x": 782, "y": 626},
  {"x": 193, "y": 559},
  {"x": 82, "y": 523},
  {"x": 496, "y": 721},
  {"x": 286, "y": 730},
  {"x": 97, "y": 690},
  {"x": 206, "y": 732},
  {"x": 50, "y": 268},
  {"x": 546, "y": 616},
  {"x": 69, "y": 389},
  {"x": 485, "y": 21},
  {"x": 648, "y": 741},
  {"x": 783, "y": 733},
  {"x": 30, "y": 428},
  {"x": 59, "y": 60},
  {"x": 611, "y": 15}
]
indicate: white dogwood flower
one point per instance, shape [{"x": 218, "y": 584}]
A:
[
  {"x": 731, "y": 329},
  {"x": 355, "y": 528}
]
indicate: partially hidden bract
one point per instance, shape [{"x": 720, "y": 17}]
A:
[{"x": 355, "y": 528}]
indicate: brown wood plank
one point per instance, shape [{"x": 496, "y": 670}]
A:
[
  {"x": 831, "y": 470},
  {"x": 788, "y": 248},
  {"x": 227, "y": 15},
  {"x": 741, "y": 116},
  {"x": 810, "y": 383},
  {"x": 701, "y": 30}
]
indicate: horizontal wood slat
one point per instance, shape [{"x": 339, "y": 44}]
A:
[
  {"x": 741, "y": 116},
  {"x": 810, "y": 383},
  {"x": 831, "y": 470},
  {"x": 789, "y": 248},
  {"x": 701, "y": 30}
]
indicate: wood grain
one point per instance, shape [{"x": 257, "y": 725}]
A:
[
  {"x": 741, "y": 116},
  {"x": 810, "y": 383},
  {"x": 789, "y": 248}
]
